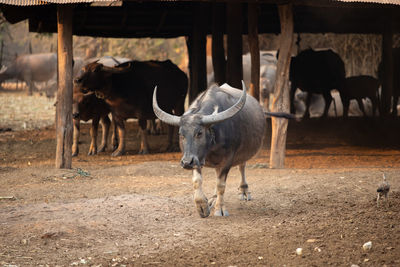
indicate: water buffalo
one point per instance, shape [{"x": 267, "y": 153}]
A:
[
  {"x": 86, "y": 106},
  {"x": 223, "y": 127},
  {"x": 31, "y": 68},
  {"x": 359, "y": 87},
  {"x": 89, "y": 107},
  {"x": 268, "y": 61},
  {"x": 127, "y": 89},
  {"x": 316, "y": 72},
  {"x": 36, "y": 68}
]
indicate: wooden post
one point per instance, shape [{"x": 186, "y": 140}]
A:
[
  {"x": 254, "y": 50},
  {"x": 280, "y": 101},
  {"x": 64, "y": 127},
  {"x": 218, "y": 51},
  {"x": 235, "y": 61},
  {"x": 197, "y": 54},
  {"x": 387, "y": 66}
]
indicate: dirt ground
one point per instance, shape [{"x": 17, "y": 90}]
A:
[{"x": 137, "y": 210}]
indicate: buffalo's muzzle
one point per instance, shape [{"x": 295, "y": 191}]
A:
[
  {"x": 75, "y": 115},
  {"x": 190, "y": 162}
]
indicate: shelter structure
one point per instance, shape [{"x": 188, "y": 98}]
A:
[{"x": 195, "y": 20}]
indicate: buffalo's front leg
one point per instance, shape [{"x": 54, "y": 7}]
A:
[
  {"x": 93, "y": 136},
  {"x": 120, "y": 125},
  {"x": 199, "y": 198},
  {"x": 244, "y": 187},
  {"x": 105, "y": 126},
  {"x": 220, "y": 209},
  {"x": 144, "y": 145},
  {"x": 75, "y": 145}
]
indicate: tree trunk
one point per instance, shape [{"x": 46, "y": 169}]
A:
[
  {"x": 218, "y": 51},
  {"x": 64, "y": 126},
  {"x": 254, "y": 50},
  {"x": 234, "y": 29},
  {"x": 280, "y": 101}
]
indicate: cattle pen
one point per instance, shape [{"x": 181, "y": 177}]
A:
[
  {"x": 313, "y": 183},
  {"x": 137, "y": 210}
]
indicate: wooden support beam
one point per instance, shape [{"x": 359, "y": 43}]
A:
[
  {"x": 254, "y": 50},
  {"x": 387, "y": 66},
  {"x": 217, "y": 44},
  {"x": 64, "y": 127},
  {"x": 197, "y": 53},
  {"x": 234, "y": 66},
  {"x": 280, "y": 101}
]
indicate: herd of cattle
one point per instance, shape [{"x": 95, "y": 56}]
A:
[
  {"x": 124, "y": 87},
  {"x": 223, "y": 127}
]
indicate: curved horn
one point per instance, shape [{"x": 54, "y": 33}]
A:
[
  {"x": 162, "y": 115},
  {"x": 229, "y": 113},
  {"x": 118, "y": 69}
]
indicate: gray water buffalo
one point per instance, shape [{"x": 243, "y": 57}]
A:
[
  {"x": 31, "y": 68},
  {"x": 359, "y": 87},
  {"x": 268, "y": 61},
  {"x": 316, "y": 72},
  {"x": 222, "y": 128},
  {"x": 127, "y": 88}
]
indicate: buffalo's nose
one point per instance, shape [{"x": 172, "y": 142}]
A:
[
  {"x": 187, "y": 163},
  {"x": 75, "y": 115}
]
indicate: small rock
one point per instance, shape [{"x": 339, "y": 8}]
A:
[
  {"x": 354, "y": 265},
  {"x": 366, "y": 260},
  {"x": 317, "y": 249},
  {"x": 312, "y": 240},
  {"x": 299, "y": 251},
  {"x": 24, "y": 241},
  {"x": 260, "y": 257},
  {"x": 367, "y": 246}
]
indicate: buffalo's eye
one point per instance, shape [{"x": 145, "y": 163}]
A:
[{"x": 199, "y": 134}]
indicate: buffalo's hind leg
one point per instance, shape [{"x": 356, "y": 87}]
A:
[{"x": 244, "y": 187}]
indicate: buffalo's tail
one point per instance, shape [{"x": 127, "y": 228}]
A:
[{"x": 279, "y": 115}]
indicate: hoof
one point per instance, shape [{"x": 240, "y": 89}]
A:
[
  {"x": 220, "y": 212},
  {"x": 117, "y": 153},
  {"x": 101, "y": 149},
  {"x": 92, "y": 152},
  {"x": 203, "y": 208},
  {"x": 245, "y": 196},
  {"x": 143, "y": 152}
]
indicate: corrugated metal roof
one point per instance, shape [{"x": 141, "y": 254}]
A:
[
  {"x": 46, "y": 2},
  {"x": 107, "y": 2},
  {"x": 387, "y": 2}
]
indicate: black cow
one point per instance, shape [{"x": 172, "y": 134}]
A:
[
  {"x": 127, "y": 89},
  {"x": 316, "y": 72},
  {"x": 359, "y": 87}
]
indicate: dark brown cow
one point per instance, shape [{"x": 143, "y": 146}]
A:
[
  {"x": 359, "y": 87},
  {"x": 89, "y": 107},
  {"x": 127, "y": 89}
]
